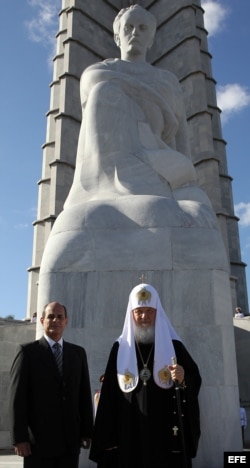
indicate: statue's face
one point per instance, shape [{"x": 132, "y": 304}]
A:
[{"x": 136, "y": 33}]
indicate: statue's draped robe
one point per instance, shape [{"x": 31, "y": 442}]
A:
[
  {"x": 133, "y": 138},
  {"x": 133, "y": 177}
]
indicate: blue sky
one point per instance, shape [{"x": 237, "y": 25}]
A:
[{"x": 27, "y": 38}]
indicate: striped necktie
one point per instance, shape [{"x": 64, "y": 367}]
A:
[{"x": 58, "y": 356}]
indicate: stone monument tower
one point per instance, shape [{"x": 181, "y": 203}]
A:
[{"x": 192, "y": 258}]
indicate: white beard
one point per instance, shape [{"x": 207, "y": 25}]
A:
[{"x": 144, "y": 335}]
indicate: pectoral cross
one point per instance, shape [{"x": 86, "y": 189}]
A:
[{"x": 175, "y": 429}]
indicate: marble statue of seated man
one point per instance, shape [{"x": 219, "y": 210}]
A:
[
  {"x": 134, "y": 186},
  {"x": 133, "y": 138}
]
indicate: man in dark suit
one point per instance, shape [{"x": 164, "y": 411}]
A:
[{"x": 51, "y": 412}]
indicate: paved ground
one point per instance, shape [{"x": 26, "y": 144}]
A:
[{"x": 9, "y": 460}]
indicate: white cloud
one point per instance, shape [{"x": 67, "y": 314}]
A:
[
  {"x": 232, "y": 98},
  {"x": 215, "y": 16},
  {"x": 44, "y": 25},
  {"x": 242, "y": 210}
]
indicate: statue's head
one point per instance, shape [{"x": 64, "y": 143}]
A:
[{"x": 127, "y": 15}]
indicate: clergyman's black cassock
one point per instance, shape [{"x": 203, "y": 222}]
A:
[{"x": 142, "y": 423}]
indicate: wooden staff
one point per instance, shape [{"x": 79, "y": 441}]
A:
[{"x": 179, "y": 412}]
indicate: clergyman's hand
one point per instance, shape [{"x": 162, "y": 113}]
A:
[
  {"x": 22, "y": 449},
  {"x": 177, "y": 373}
]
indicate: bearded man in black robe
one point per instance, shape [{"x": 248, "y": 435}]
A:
[{"x": 140, "y": 421}]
